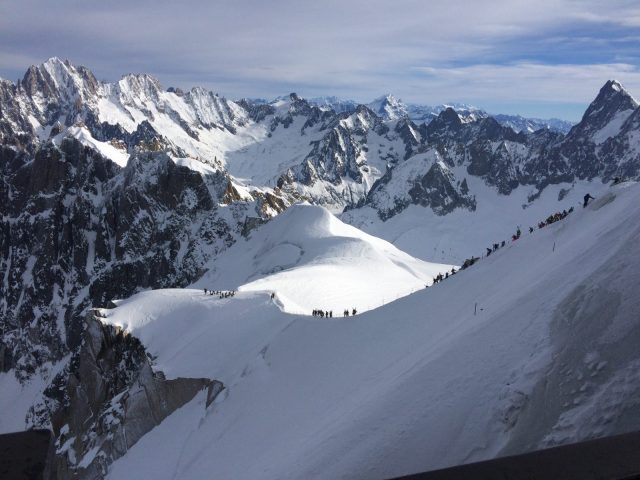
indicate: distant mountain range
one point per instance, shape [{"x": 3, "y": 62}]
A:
[{"x": 390, "y": 108}]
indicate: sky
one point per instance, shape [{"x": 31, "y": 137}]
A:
[{"x": 542, "y": 58}]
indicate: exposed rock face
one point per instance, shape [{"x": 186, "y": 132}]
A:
[
  {"x": 603, "y": 145},
  {"x": 436, "y": 189},
  {"x": 80, "y": 231},
  {"x": 108, "y": 398}
]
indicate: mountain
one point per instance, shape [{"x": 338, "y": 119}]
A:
[
  {"x": 452, "y": 153},
  {"x": 390, "y": 108},
  {"x": 530, "y": 125},
  {"x": 334, "y": 103},
  {"x": 513, "y": 354},
  {"x": 110, "y": 189},
  {"x": 306, "y": 245}
]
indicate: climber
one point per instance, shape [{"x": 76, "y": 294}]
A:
[{"x": 587, "y": 197}]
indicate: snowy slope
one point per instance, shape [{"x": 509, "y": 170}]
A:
[
  {"x": 551, "y": 357},
  {"x": 310, "y": 259},
  {"x": 454, "y": 237}
]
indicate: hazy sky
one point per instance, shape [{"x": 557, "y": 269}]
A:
[{"x": 534, "y": 57}]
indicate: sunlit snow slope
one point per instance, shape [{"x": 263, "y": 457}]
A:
[
  {"x": 311, "y": 260},
  {"x": 550, "y": 357}
]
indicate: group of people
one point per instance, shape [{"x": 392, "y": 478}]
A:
[
  {"x": 221, "y": 293},
  {"x": 553, "y": 219},
  {"x": 549, "y": 220},
  {"x": 496, "y": 246},
  {"x": 329, "y": 313},
  {"x": 440, "y": 277}
]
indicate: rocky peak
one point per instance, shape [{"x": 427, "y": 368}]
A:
[
  {"x": 613, "y": 103},
  {"x": 59, "y": 79},
  {"x": 446, "y": 123},
  {"x": 139, "y": 86},
  {"x": 388, "y": 107}
]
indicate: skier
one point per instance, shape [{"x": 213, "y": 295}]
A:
[
  {"x": 587, "y": 197},
  {"x": 488, "y": 252},
  {"x": 354, "y": 311},
  {"x": 502, "y": 244},
  {"x": 530, "y": 229},
  {"x": 205, "y": 291}
]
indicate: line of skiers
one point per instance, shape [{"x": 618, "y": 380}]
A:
[{"x": 221, "y": 293}]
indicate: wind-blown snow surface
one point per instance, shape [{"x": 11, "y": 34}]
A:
[
  {"x": 421, "y": 383},
  {"x": 310, "y": 259}
]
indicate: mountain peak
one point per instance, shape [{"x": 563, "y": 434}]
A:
[
  {"x": 612, "y": 89},
  {"x": 388, "y": 107},
  {"x": 605, "y": 115},
  {"x": 613, "y": 85}
]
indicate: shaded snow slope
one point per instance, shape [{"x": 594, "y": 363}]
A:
[
  {"x": 310, "y": 259},
  {"x": 462, "y": 233},
  {"x": 551, "y": 357}
]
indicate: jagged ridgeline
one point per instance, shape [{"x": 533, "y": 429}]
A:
[{"x": 111, "y": 188}]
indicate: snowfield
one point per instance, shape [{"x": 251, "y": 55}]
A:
[
  {"x": 462, "y": 233},
  {"x": 549, "y": 357},
  {"x": 310, "y": 260}
]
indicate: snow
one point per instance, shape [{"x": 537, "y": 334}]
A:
[
  {"x": 417, "y": 384},
  {"x": 310, "y": 259},
  {"x": 81, "y": 133},
  {"x": 16, "y": 398},
  {"x": 194, "y": 165},
  {"x": 462, "y": 233},
  {"x": 612, "y": 128}
]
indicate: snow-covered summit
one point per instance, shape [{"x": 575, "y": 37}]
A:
[
  {"x": 388, "y": 107},
  {"x": 311, "y": 259}
]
